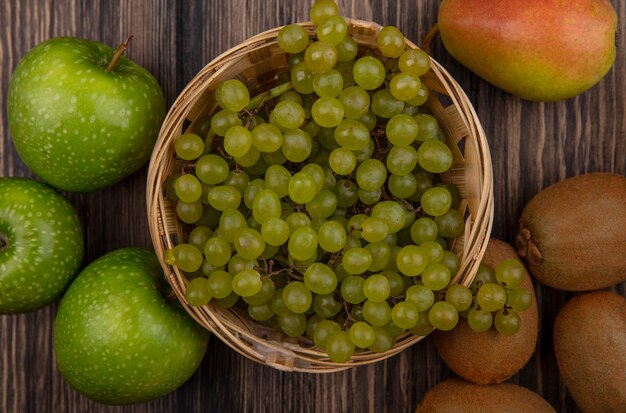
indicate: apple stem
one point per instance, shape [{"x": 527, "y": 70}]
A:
[
  {"x": 118, "y": 53},
  {"x": 171, "y": 297},
  {"x": 4, "y": 242},
  {"x": 429, "y": 37}
]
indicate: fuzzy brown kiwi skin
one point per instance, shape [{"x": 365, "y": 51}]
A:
[
  {"x": 458, "y": 396},
  {"x": 489, "y": 357},
  {"x": 572, "y": 233},
  {"x": 590, "y": 347}
]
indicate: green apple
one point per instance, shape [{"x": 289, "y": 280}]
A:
[
  {"x": 81, "y": 119},
  {"x": 117, "y": 339},
  {"x": 41, "y": 245}
]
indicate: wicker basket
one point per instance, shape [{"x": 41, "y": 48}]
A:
[{"x": 258, "y": 62}]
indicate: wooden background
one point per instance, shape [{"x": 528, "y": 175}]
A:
[{"x": 532, "y": 145}]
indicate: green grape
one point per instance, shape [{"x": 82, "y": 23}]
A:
[
  {"x": 197, "y": 292},
  {"x": 376, "y": 288},
  {"x": 291, "y": 96},
  {"x": 436, "y": 201},
  {"x": 507, "y": 322},
  {"x": 484, "y": 275},
  {"x": 479, "y": 320},
  {"x": 328, "y": 84},
  {"x": 510, "y": 273},
  {"x": 454, "y": 192},
  {"x": 420, "y": 296},
  {"x": 451, "y": 224},
  {"x": 289, "y": 114},
  {"x": 322, "y": 10},
  {"x": 423, "y": 183},
  {"x": 423, "y": 229},
  {"x": 339, "y": 347},
  {"x": 296, "y": 145},
  {"x": 201, "y": 126},
  {"x": 404, "y": 315},
  {"x": 402, "y": 186},
  {"x": 230, "y": 222},
  {"x": 347, "y": 193},
  {"x": 326, "y": 138},
  {"x": 320, "y": 57},
  {"x": 275, "y": 231},
  {"x": 220, "y": 284},
  {"x": 249, "y": 159},
  {"x": 394, "y": 330},
  {"x": 302, "y": 78},
  {"x": 294, "y": 325},
  {"x": 238, "y": 179},
  {"x": 199, "y": 236},
  {"x": 420, "y": 98},
  {"x": 302, "y": 188},
  {"x": 189, "y": 146},
  {"x": 345, "y": 68},
  {"x": 433, "y": 250},
  {"x": 224, "y": 120},
  {"x": 347, "y": 49},
  {"x": 323, "y": 330},
  {"x": 356, "y": 260},
  {"x": 325, "y": 305},
  {"x": 355, "y": 101},
  {"x": 187, "y": 257},
  {"x": 451, "y": 261},
  {"x": 331, "y": 236},
  {"x": 381, "y": 254},
  {"x": 264, "y": 295},
  {"x": 352, "y": 289},
  {"x": 390, "y": 41},
  {"x": 237, "y": 141},
  {"x": 410, "y": 109},
  {"x": 401, "y": 160},
  {"x": 391, "y": 212},
  {"x": 423, "y": 326},
  {"x": 362, "y": 334},
  {"x": 249, "y": 243},
  {"x": 383, "y": 341},
  {"x": 211, "y": 169},
  {"x": 352, "y": 134},
  {"x": 293, "y": 38},
  {"x": 317, "y": 173},
  {"x": 376, "y": 313},
  {"x": 332, "y": 30},
  {"x": 411, "y": 260},
  {"x": 459, "y": 296},
  {"x": 297, "y": 220},
  {"x": 374, "y": 229},
  {"x": 297, "y": 297},
  {"x": 404, "y": 86},
  {"x": 427, "y": 127},
  {"x": 434, "y": 156},
  {"x": 342, "y": 161},
  {"x": 232, "y": 95},
  {"x": 228, "y": 301},
  {"x": 188, "y": 188},
  {"x": 295, "y": 58},
  {"x": 247, "y": 283},
  {"x": 519, "y": 299},
  {"x": 277, "y": 303},
  {"x": 327, "y": 112},
  {"x": 386, "y": 106},
  {"x": 224, "y": 197},
  {"x": 370, "y": 197},
  {"x": 368, "y": 72},
  {"x": 436, "y": 277},
  {"x": 238, "y": 263},
  {"x": 371, "y": 175},
  {"x": 217, "y": 251},
  {"x": 443, "y": 316},
  {"x": 320, "y": 278},
  {"x": 491, "y": 297},
  {"x": 302, "y": 243},
  {"x": 369, "y": 119},
  {"x": 355, "y": 225},
  {"x": 401, "y": 129},
  {"x": 277, "y": 179},
  {"x": 396, "y": 282},
  {"x": 260, "y": 312},
  {"x": 267, "y": 138},
  {"x": 266, "y": 205},
  {"x": 322, "y": 205},
  {"x": 414, "y": 61},
  {"x": 189, "y": 212}
]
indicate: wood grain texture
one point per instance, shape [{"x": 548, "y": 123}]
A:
[{"x": 532, "y": 144}]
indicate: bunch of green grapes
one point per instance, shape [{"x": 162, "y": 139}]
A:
[{"x": 317, "y": 206}]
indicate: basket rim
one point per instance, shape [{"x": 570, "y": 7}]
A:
[{"x": 478, "y": 237}]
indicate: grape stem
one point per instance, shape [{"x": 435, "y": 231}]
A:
[
  {"x": 260, "y": 99},
  {"x": 118, "y": 53}
]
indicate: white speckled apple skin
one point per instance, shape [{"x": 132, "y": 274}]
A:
[
  {"x": 44, "y": 245},
  {"x": 116, "y": 338},
  {"x": 75, "y": 124}
]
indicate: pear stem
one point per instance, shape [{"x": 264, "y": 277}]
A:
[
  {"x": 118, "y": 53},
  {"x": 429, "y": 37}
]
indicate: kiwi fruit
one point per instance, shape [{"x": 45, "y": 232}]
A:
[
  {"x": 489, "y": 357},
  {"x": 458, "y": 396},
  {"x": 572, "y": 233},
  {"x": 590, "y": 347}
]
